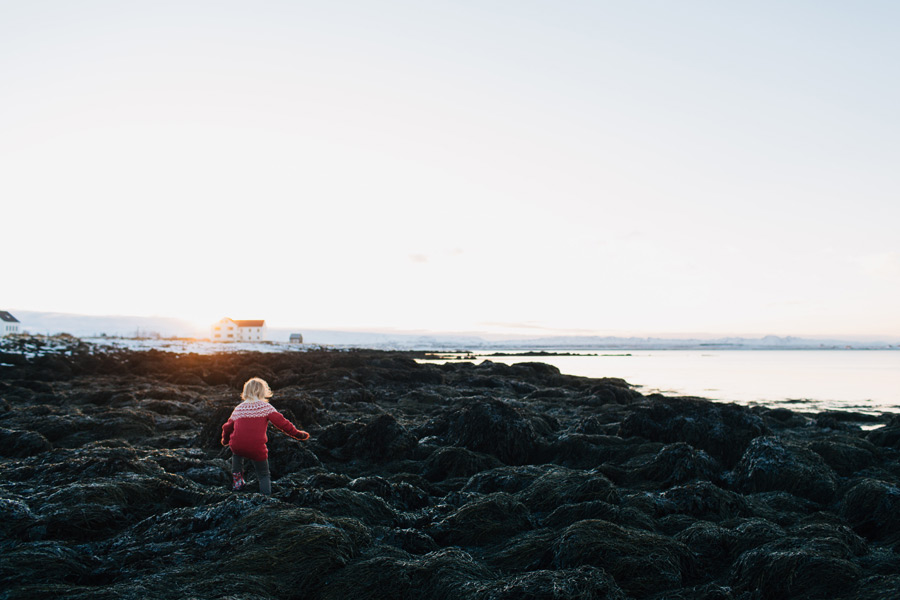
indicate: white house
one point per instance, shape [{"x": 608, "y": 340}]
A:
[
  {"x": 9, "y": 325},
  {"x": 230, "y": 330},
  {"x": 296, "y": 338}
]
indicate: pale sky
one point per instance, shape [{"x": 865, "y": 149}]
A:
[{"x": 627, "y": 167}]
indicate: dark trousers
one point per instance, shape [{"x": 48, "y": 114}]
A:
[{"x": 262, "y": 471}]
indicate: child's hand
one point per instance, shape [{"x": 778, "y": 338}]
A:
[{"x": 303, "y": 436}]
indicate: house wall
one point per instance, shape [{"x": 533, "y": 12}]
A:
[
  {"x": 9, "y": 328},
  {"x": 252, "y": 334},
  {"x": 225, "y": 330}
]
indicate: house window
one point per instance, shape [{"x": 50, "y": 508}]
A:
[
  {"x": 231, "y": 335},
  {"x": 217, "y": 328}
]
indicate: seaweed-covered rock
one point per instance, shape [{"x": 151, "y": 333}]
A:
[
  {"x": 304, "y": 407},
  {"x": 887, "y": 436},
  {"x": 558, "y": 485},
  {"x": 581, "y": 583},
  {"x": 872, "y": 508},
  {"x": 448, "y": 574},
  {"x": 587, "y": 451},
  {"x": 550, "y": 487},
  {"x": 484, "y": 519},
  {"x": 381, "y": 439},
  {"x": 772, "y": 464},
  {"x": 363, "y": 506},
  {"x": 293, "y": 548},
  {"x": 22, "y": 443},
  {"x": 712, "y": 545},
  {"x": 754, "y": 532},
  {"x": 492, "y": 427},
  {"x": 704, "y": 500},
  {"x": 451, "y": 461},
  {"x": 567, "y": 514},
  {"x": 845, "y": 454},
  {"x": 211, "y": 433},
  {"x": 788, "y": 569},
  {"x": 672, "y": 465},
  {"x": 248, "y": 372},
  {"x": 722, "y": 430},
  {"x": 641, "y": 562}
]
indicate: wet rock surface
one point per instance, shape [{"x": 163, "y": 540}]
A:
[{"x": 481, "y": 481}]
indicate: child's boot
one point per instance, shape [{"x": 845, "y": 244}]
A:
[{"x": 237, "y": 480}]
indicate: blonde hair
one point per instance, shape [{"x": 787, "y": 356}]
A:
[{"x": 256, "y": 389}]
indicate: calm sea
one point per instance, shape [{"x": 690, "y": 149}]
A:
[{"x": 803, "y": 380}]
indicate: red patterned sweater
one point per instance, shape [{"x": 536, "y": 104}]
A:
[{"x": 245, "y": 431}]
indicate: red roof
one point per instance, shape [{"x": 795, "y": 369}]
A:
[{"x": 260, "y": 323}]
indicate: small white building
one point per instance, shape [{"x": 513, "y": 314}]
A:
[
  {"x": 9, "y": 325},
  {"x": 231, "y": 330},
  {"x": 296, "y": 338}
]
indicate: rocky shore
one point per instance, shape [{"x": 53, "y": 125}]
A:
[{"x": 422, "y": 481}]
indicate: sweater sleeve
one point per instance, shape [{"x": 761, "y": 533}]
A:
[
  {"x": 286, "y": 426},
  {"x": 227, "y": 430}
]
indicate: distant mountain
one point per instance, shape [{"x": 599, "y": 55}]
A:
[
  {"x": 95, "y": 326},
  {"x": 129, "y": 326}
]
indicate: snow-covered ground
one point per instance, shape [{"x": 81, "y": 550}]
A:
[
  {"x": 199, "y": 346},
  {"x": 31, "y": 346}
]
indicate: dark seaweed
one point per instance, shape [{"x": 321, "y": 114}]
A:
[{"x": 487, "y": 481}]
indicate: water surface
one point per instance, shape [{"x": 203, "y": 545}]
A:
[{"x": 805, "y": 380}]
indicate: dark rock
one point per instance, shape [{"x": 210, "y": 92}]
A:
[
  {"x": 641, "y": 562},
  {"x": 722, "y": 430},
  {"x": 410, "y": 540},
  {"x": 211, "y": 433},
  {"x": 704, "y": 500},
  {"x": 528, "y": 551},
  {"x": 304, "y": 408},
  {"x": 504, "y": 479},
  {"x": 292, "y": 548},
  {"x": 752, "y": 533},
  {"x": 887, "y": 436},
  {"x": 581, "y": 583},
  {"x": 787, "y": 569},
  {"x": 843, "y": 541},
  {"x": 363, "y": 506},
  {"x": 22, "y": 443},
  {"x": 559, "y": 485},
  {"x": 379, "y": 486},
  {"x": 782, "y": 508},
  {"x": 584, "y": 451},
  {"x": 337, "y": 434},
  {"x": 380, "y": 439},
  {"x": 485, "y": 519},
  {"x": 846, "y": 454},
  {"x": 712, "y": 545},
  {"x": 872, "y": 508},
  {"x": 489, "y": 426},
  {"x": 673, "y": 464},
  {"x": 244, "y": 374},
  {"x": 772, "y": 464},
  {"x": 568, "y": 514},
  {"x": 554, "y": 487},
  {"x": 878, "y": 587},
  {"x": 456, "y": 462}
]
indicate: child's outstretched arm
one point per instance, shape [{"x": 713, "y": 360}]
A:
[
  {"x": 286, "y": 426},
  {"x": 227, "y": 430}
]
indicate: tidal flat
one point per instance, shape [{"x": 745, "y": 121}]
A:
[{"x": 423, "y": 481}]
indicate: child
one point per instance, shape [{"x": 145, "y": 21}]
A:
[{"x": 245, "y": 433}]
